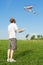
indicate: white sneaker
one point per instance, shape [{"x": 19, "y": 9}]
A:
[
  {"x": 8, "y": 60},
  {"x": 12, "y": 60}
]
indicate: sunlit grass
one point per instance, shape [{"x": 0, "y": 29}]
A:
[{"x": 29, "y": 52}]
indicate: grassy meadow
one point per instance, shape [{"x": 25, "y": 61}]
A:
[{"x": 29, "y": 52}]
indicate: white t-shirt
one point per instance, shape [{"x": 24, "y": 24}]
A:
[{"x": 12, "y": 30}]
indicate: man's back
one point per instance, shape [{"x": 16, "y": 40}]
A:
[{"x": 12, "y": 30}]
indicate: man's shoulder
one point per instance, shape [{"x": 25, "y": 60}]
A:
[{"x": 14, "y": 24}]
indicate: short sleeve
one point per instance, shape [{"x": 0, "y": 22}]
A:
[{"x": 16, "y": 28}]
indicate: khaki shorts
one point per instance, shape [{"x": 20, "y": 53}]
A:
[{"x": 12, "y": 44}]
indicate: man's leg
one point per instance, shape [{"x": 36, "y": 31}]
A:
[
  {"x": 13, "y": 46},
  {"x": 8, "y": 55},
  {"x": 11, "y": 54}
]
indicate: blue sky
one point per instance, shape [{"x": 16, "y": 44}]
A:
[{"x": 15, "y": 8}]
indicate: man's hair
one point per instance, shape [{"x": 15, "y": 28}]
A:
[{"x": 12, "y": 20}]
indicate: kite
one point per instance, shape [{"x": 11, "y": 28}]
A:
[{"x": 30, "y": 9}]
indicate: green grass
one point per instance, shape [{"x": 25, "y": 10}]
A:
[{"x": 27, "y": 53}]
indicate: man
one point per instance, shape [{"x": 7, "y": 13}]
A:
[{"x": 12, "y": 29}]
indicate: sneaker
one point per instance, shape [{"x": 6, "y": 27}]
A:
[
  {"x": 8, "y": 60},
  {"x": 12, "y": 60}
]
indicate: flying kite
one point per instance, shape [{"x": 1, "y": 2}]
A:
[{"x": 30, "y": 9}]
